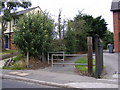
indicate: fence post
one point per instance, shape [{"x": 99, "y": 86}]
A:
[
  {"x": 90, "y": 56},
  {"x": 101, "y": 55},
  {"x": 97, "y": 56},
  {"x": 48, "y": 58},
  {"x": 27, "y": 62},
  {"x": 52, "y": 60}
]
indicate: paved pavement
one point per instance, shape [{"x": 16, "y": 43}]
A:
[
  {"x": 67, "y": 69},
  {"x": 66, "y": 75}
]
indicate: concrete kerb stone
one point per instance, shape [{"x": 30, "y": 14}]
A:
[{"x": 3, "y": 76}]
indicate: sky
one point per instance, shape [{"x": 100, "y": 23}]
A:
[{"x": 70, "y": 8}]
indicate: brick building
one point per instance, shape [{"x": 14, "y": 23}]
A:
[{"x": 115, "y": 8}]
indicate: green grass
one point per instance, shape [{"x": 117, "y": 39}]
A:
[
  {"x": 8, "y": 51},
  {"x": 16, "y": 66},
  {"x": 18, "y": 57},
  {"x": 82, "y": 68}
]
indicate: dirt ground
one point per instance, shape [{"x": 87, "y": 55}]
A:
[{"x": 37, "y": 64}]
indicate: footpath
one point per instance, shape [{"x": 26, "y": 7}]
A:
[{"x": 66, "y": 77}]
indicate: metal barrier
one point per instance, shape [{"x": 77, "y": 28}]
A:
[
  {"x": 51, "y": 58},
  {"x": 52, "y": 54}
]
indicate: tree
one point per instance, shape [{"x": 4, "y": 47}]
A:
[
  {"x": 109, "y": 38},
  {"x": 7, "y": 10},
  {"x": 70, "y": 39},
  {"x": 34, "y": 34},
  {"x": 96, "y": 25},
  {"x": 76, "y": 36},
  {"x": 59, "y": 24}
]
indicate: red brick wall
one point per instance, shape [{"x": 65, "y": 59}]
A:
[
  {"x": 116, "y": 23},
  {"x": 11, "y": 44}
]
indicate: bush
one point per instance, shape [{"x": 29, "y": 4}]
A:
[
  {"x": 33, "y": 34},
  {"x": 19, "y": 57}
]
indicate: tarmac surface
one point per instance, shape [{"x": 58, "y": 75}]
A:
[{"x": 67, "y": 77}]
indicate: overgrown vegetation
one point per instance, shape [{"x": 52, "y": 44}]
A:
[
  {"x": 20, "y": 63},
  {"x": 33, "y": 34},
  {"x": 16, "y": 66},
  {"x": 18, "y": 57},
  {"x": 17, "y": 63}
]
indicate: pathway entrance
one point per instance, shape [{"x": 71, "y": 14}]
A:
[{"x": 69, "y": 69}]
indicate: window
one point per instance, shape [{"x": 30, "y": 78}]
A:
[
  {"x": 6, "y": 25},
  {"x": 14, "y": 21},
  {"x": 38, "y": 11}
]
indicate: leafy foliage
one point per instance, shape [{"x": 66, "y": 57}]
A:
[
  {"x": 34, "y": 34},
  {"x": 76, "y": 36},
  {"x": 96, "y": 25},
  {"x": 109, "y": 38}
]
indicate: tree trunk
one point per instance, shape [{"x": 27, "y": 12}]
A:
[
  {"x": 2, "y": 36},
  {"x": 27, "y": 62},
  {"x": 43, "y": 57}
]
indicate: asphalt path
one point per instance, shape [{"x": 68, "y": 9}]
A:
[
  {"x": 111, "y": 64},
  {"x": 68, "y": 69}
]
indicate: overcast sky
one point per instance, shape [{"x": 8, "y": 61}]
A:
[{"x": 70, "y": 8}]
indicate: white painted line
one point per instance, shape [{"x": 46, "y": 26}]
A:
[
  {"x": 22, "y": 74},
  {"x": 111, "y": 80},
  {"x": 14, "y": 73},
  {"x": 92, "y": 85}
]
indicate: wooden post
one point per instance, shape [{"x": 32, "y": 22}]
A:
[
  {"x": 52, "y": 60},
  {"x": 48, "y": 58},
  {"x": 63, "y": 58},
  {"x": 97, "y": 57},
  {"x": 90, "y": 56},
  {"x": 101, "y": 55},
  {"x": 27, "y": 62}
]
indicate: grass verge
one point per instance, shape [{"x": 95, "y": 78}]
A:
[
  {"x": 8, "y": 51},
  {"x": 16, "y": 66},
  {"x": 83, "y": 70}
]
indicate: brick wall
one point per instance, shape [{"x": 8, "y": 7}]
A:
[
  {"x": 116, "y": 22},
  {"x": 11, "y": 42}
]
